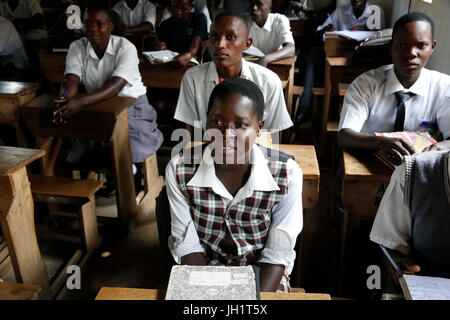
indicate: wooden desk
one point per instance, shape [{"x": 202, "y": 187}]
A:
[
  {"x": 365, "y": 180},
  {"x": 161, "y": 75},
  {"x": 17, "y": 217},
  {"x": 13, "y": 95},
  {"x": 111, "y": 293},
  {"x": 18, "y": 291},
  {"x": 106, "y": 121},
  {"x": 302, "y": 28},
  {"x": 337, "y": 69},
  {"x": 53, "y": 64},
  {"x": 337, "y": 46}
]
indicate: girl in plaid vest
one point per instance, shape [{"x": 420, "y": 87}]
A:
[{"x": 239, "y": 204}]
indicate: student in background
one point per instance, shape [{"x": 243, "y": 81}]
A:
[
  {"x": 136, "y": 16},
  {"x": 373, "y": 102},
  {"x": 107, "y": 65},
  {"x": 12, "y": 54},
  {"x": 236, "y": 208},
  {"x": 227, "y": 40},
  {"x": 413, "y": 217},
  {"x": 270, "y": 32},
  {"x": 183, "y": 32},
  {"x": 198, "y": 6}
]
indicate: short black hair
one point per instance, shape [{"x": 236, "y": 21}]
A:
[
  {"x": 112, "y": 18},
  {"x": 411, "y": 17},
  {"x": 245, "y": 18},
  {"x": 243, "y": 87}
]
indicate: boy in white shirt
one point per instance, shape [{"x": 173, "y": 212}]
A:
[
  {"x": 270, "y": 32},
  {"x": 136, "y": 15}
]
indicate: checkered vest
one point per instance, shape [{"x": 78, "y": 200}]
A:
[{"x": 248, "y": 221}]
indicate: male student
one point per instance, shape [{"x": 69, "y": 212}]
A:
[
  {"x": 400, "y": 97},
  {"x": 198, "y": 6},
  {"x": 413, "y": 218},
  {"x": 11, "y": 48},
  {"x": 227, "y": 40},
  {"x": 270, "y": 32},
  {"x": 136, "y": 15}
]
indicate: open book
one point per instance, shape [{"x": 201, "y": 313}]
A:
[
  {"x": 419, "y": 140},
  {"x": 253, "y": 53},
  {"x": 425, "y": 288},
  {"x": 163, "y": 56},
  {"x": 213, "y": 283}
]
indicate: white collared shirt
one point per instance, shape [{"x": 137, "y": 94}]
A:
[
  {"x": 198, "y": 82},
  {"x": 370, "y": 103},
  {"x": 271, "y": 37},
  {"x": 393, "y": 223},
  {"x": 11, "y": 45},
  {"x": 25, "y": 9},
  {"x": 343, "y": 18},
  {"x": 145, "y": 11},
  {"x": 120, "y": 60},
  {"x": 287, "y": 215}
]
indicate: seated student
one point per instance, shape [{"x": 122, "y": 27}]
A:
[
  {"x": 270, "y": 32},
  {"x": 413, "y": 217},
  {"x": 27, "y": 16},
  {"x": 198, "y": 6},
  {"x": 12, "y": 52},
  {"x": 183, "y": 32},
  {"x": 136, "y": 15},
  {"x": 227, "y": 40},
  {"x": 236, "y": 207},
  {"x": 352, "y": 16},
  {"x": 107, "y": 65},
  {"x": 400, "y": 97}
]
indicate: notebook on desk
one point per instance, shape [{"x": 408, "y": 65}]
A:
[
  {"x": 163, "y": 56},
  {"x": 425, "y": 288}
]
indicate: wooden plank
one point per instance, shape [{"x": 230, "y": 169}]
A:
[
  {"x": 365, "y": 166},
  {"x": 17, "y": 291},
  {"x": 110, "y": 293},
  {"x": 64, "y": 187},
  {"x": 161, "y": 75},
  {"x": 13, "y": 158},
  {"x": 337, "y": 46},
  {"x": 53, "y": 64},
  {"x": 5, "y": 267}
]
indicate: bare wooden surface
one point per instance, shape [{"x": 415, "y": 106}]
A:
[
  {"x": 17, "y": 291},
  {"x": 111, "y": 293},
  {"x": 365, "y": 166},
  {"x": 64, "y": 186},
  {"x": 13, "y": 158},
  {"x": 53, "y": 64},
  {"x": 161, "y": 75},
  {"x": 337, "y": 46},
  {"x": 8, "y": 88}
]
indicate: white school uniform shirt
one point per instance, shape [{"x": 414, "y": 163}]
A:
[
  {"x": 287, "y": 215},
  {"x": 25, "y": 9},
  {"x": 120, "y": 60},
  {"x": 274, "y": 33},
  {"x": 393, "y": 223},
  {"x": 11, "y": 45},
  {"x": 343, "y": 18},
  {"x": 198, "y": 82},
  {"x": 370, "y": 103},
  {"x": 145, "y": 11}
]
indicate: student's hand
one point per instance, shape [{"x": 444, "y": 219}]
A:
[
  {"x": 163, "y": 46},
  {"x": 263, "y": 61},
  {"x": 394, "y": 148},
  {"x": 68, "y": 110},
  {"x": 181, "y": 60},
  {"x": 440, "y": 146},
  {"x": 359, "y": 28},
  {"x": 406, "y": 265}
]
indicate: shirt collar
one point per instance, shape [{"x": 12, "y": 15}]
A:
[
  {"x": 393, "y": 84},
  {"x": 109, "y": 48},
  {"x": 124, "y": 4},
  {"x": 213, "y": 76},
  {"x": 349, "y": 11},
  {"x": 267, "y": 25},
  {"x": 260, "y": 179}
]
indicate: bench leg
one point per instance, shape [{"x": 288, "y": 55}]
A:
[{"x": 88, "y": 225}]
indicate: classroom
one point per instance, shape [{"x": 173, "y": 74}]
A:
[{"x": 306, "y": 143}]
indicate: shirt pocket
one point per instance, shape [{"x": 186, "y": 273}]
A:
[{"x": 426, "y": 124}]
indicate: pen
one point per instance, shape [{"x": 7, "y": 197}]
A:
[
  {"x": 388, "y": 256},
  {"x": 64, "y": 94}
]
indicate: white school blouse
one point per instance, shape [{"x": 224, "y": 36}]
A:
[
  {"x": 271, "y": 37},
  {"x": 145, "y": 11},
  {"x": 198, "y": 82},
  {"x": 120, "y": 60},
  {"x": 287, "y": 215},
  {"x": 370, "y": 103}
]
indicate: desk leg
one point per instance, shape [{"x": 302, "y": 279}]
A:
[
  {"x": 17, "y": 222},
  {"x": 326, "y": 109},
  {"x": 347, "y": 227},
  {"x": 306, "y": 244},
  {"x": 123, "y": 177}
]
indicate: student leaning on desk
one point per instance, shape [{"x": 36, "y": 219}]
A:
[
  {"x": 107, "y": 65},
  {"x": 400, "y": 97}
]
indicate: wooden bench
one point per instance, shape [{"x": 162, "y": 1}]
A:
[{"x": 80, "y": 193}]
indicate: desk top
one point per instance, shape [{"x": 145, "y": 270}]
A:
[
  {"x": 18, "y": 291},
  {"x": 111, "y": 293},
  {"x": 13, "y": 158},
  {"x": 16, "y": 87},
  {"x": 305, "y": 156},
  {"x": 365, "y": 166}
]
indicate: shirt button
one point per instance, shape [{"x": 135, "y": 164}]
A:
[{"x": 227, "y": 217}]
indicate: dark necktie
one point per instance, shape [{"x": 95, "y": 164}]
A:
[{"x": 402, "y": 97}]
